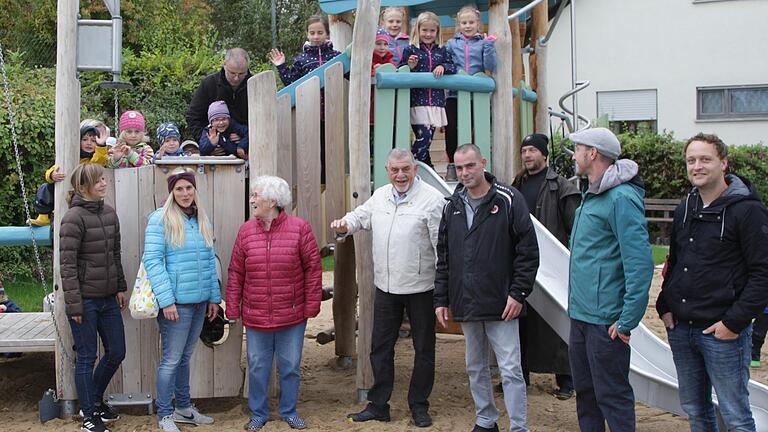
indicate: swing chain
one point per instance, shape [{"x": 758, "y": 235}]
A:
[
  {"x": 117, "y": 116},
  {"x": 14, "y": 140}
]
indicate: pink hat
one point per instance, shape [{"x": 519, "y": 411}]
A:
[
  {"x": 131, "y": 120},
  {"x": 384, "y": 37}
]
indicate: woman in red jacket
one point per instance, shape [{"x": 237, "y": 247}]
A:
[{"x": 275, "y": 285}]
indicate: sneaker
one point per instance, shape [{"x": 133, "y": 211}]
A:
[
  {"x": 254, "y": 425},
  {"x": 166, "y": 424},
  {"x": 295, "y": 422},
  {"x": 450, "y": 173},
  {"x": 754, "y": 364},
  {"x": 191, "y": 415},
  {"x": 564, "y": 393},
  {"x": 93, "y": 424},
  {"x": 478, "y": 428},
  {"x": 107, "y": 413}
]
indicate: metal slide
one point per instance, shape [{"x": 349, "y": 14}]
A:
[{"x": 652, "y": 372}]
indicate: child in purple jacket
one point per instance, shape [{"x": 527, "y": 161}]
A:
[{"x": 426, "y": 54}]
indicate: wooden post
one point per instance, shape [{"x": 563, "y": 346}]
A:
[
  {"x": 537, "y": 65},
  {"x": 360, "y": 176},
  {"x": 341, "y": 29},
  {"x": 262, "y": 125},
  {"x": 502, "y": 97},
  {"x": 344, "y": 297},
  {"x": 67, "y": 142},
  {"x": 517, "y": 76}
]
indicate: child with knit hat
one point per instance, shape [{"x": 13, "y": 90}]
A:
[
  {"x": 169, "y": 138},
  {"x": 132, "y": 149},
  {"x": 223, "y": 136}
]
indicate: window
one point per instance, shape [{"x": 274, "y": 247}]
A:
[
  {"x": 628, "y": 110},
  {"x": 737, "y": 102}
]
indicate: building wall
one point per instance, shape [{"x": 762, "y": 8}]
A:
[{"x": 672, "y": 46}]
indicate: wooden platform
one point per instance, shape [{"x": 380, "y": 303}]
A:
[{"x": 26, "y": 332}]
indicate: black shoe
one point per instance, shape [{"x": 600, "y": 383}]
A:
[
  {"x": 564, "y": 393},
  {"x": 93, "y": 424},
  {"x": 107, "y": 414},
  {"x": 479, "y": 428},
  {"x": 421, "y": 418},
  {"x": 368, "y": 414}
]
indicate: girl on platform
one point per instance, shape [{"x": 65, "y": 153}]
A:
[
  {"x": 392, "y": 26},
  {"x": 131, "y": 149},
  {"x": 94, "y": 286},
  {"x": 427, "y": 54},
  {"x": 181, "y": 266},
  {"x": 472, "y": 52}
]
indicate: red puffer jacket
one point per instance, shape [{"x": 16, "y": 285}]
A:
[{"x": 275, "y": 276}]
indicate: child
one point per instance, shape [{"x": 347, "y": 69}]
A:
[
  {"x": 426, "y": 54},
  {"x": 223, "y": 136},
  {"x": 104, "y": 132},
  {"x": 316, "y": 52},
  {"x": 91, "y": 151},
  {"x": 169, "y": 138},
  {"x": 131, "y": 149},
  {"x": 473, "y": 53},
  {"x": 392, "y": 25},
  {"x": 190, "y": 148}
]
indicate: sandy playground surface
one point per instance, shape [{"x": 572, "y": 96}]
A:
[{"x": 327, "y": 394}]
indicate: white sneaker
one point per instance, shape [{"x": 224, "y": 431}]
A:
[
  {"x": 166, "y": 424},
  {"x": 191, "y": 415}
]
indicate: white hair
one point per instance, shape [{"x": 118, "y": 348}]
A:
[
  {"x": 236, "y": 54},
  {"x": 273, "y": 188},
  {"x": 399, "y": 153}
]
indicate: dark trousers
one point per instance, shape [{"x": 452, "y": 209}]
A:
[
  {"x": 420, "y": 148},
  {"x": 387, "y": 317},
  {"x": 452, "y": 128},
  {"x": 101, "y": 318},
  {"x": 759, "y": 328},
  {"x": 600, "y": 369}
]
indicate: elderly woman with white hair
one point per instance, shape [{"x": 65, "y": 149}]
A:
[{"x": 274, "y": 285}]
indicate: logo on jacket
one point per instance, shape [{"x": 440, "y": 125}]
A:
[{"x": 495, "y": 209}]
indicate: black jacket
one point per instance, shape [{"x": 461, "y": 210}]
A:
[
  {"x": 214, "y": 88},
  {"x": 718, "y": 263},
  {"x": 478, "y": 268}
]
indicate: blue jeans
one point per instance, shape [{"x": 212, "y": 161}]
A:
[
  {"x": 600, "y": 370},
  {"x": 101, "y": 318},
  {"x": 504, "y": 338},
  {"x": 702, "y": 361},
  {"x": 179, "y": 339},
  {"x": 285, "y": 347}
]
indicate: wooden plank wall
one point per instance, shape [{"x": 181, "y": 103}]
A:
[
  {"x": 308, "y": 153},
  {"x": 335, "y": 151}
]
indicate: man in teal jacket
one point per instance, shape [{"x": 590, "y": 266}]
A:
[{"x": 610, "y": 273}]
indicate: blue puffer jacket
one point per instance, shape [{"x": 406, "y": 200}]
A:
[
  {"x": 430, "y": 57},
  {"x": 396, "y": 44},
  {"x": 206, "y": 148},
  {"x": 312, "y": 58},
  {"x": 474, "y": 54},
  {"x": 185, "y": 275}
]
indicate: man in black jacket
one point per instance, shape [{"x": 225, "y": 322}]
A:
[
  {"x": 228, "y": 85},
  {"x": 487, "y": 258},
  {"x": 716, "y": 282},
  {"x": 553, "y": 200}
]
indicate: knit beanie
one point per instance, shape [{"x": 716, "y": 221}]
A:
[
  {"x": 540, "y": 141},
  {"x": 86, "y": 129},
  {"x": 167, "y": 130},
  {"x": 382, "y": 37},
  {"x": 217, "y": 109},
  {"x": 600, "y": 138},
  {"x": 173, "y": 179},
  {"x": 131, "y": 120}
]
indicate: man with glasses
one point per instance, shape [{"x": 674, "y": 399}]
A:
[
  {"x": 404, "y": 217},
  {"x": 228, "y": 85}
]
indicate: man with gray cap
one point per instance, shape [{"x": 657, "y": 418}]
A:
[{"x": 610, "y": 273}]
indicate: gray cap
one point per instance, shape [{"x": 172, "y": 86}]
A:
[{"x": 600, "y": 138}]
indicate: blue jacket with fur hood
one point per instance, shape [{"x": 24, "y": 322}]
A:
[{"x": 180, "y": 275}]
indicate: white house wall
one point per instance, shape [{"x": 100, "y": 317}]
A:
[{"x": 673, "y": 46}]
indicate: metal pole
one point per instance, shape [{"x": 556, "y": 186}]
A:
[
  {"x": 573, "y": 67},
  {"x": 524, "y": 9},
  {"x": 274, "y": 24}
]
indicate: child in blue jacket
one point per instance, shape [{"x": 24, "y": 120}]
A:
[
  {"x": 426, "y": 54},
  {"x": 392, "y": 26},
  {"x": 223, "y": 136},
  {"x": 472, "y": 52},
  {"x": 169, "y": 139}
]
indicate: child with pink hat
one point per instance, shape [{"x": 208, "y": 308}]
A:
[{"x": 132, "y": 149}]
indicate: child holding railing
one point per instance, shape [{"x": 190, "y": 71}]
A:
[
  {"x": 427, "y": 54},
  {"x": 131, "y": 149}
]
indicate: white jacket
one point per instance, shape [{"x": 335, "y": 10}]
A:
[{"x": 404, "y": 236}]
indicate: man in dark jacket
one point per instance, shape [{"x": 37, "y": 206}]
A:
[
  {"x": 229, "y": 84},
  {"x": 553, "y": 201},
  {"x": 487, "y": 258},
  {"x": 716, "y": 282}
]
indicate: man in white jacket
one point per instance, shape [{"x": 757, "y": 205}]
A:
[{"x": 404, "y": 217}]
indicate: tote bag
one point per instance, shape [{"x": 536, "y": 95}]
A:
[{"x": 143, "y": 303}]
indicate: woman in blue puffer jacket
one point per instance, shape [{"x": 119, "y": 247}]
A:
[{"x": 181, "y": 266}]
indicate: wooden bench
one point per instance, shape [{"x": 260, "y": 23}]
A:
[
  {"x": 26, "y": 332},
  {"x": 662, "y": 212}
]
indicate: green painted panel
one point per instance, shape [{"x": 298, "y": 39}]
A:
[
  {"x": 403, "y": 113},
  {"x": 481, "y": 116},
  {"x": 383, "y": 119},
  {"x": 464, "y": 117}
]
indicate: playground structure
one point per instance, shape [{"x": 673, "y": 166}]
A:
[{"x": 285, "y": 129}]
